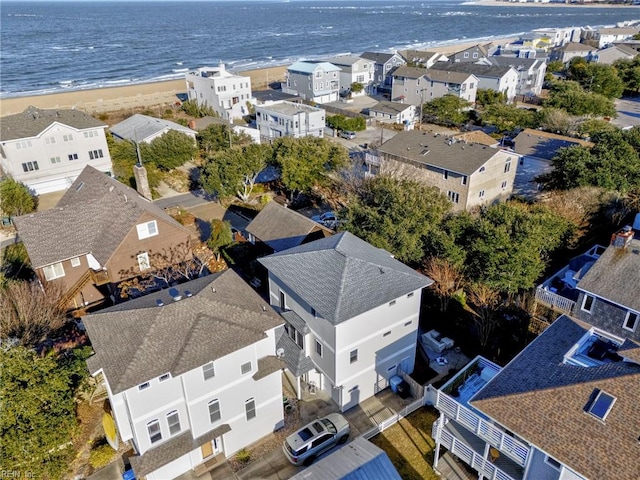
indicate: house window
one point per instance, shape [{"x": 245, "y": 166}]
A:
[
  {"x": 471, "y": 85},
  {"x": 463, "y": 180},
  {"x": 481, "y": 194},
  {"x": 250, "y": 408},
  {"x": 214, "y": 411},
  {"x": 318, "y": 348},
  {"x": 67, "y": 138},
  {"x": 409, "y": 295},
  {"x": 631, "y": 321},
  {"x": 144, "y": 386},
  {"x": 504, "y": 185},
  {"x": 143, "y": 261},
  {"x": 173, "y": 419},
  {"x": 408, "y": 323},
  {"x": 153, "y": 427},
  {"x": 507, "y": 167},
  {"x": 146, "y": 230},
  {"x": 475, "y": 54},
  {"x": 208, "y": 371},
  {"x": 453, "y": 196},
  {"x": 75, "y": 262},
  {"x": 51, "y": 272},
  {"x": 587, "y": 303},
  {"x": 50, "y": 140},
  {"x": 353, "y": 356},
  {"x": 445, "y": 174},
  {"x": 295, "y": 335},
  {"x": 392, "y": 303},
  {"x": 30, "y": 166},
  {"x": 601, "y": 405},
  {"x": 283, "y": 301},
  {"x": 26, "y": 144},
  {"x": 55, "y": 160},
  {"x": 552, "y": 462},
  {"x": 72, "y": 156},
  {"x": 90, "y": 134},
  {"x": 386, "y": 334},
  {"x": 482, "y": 169},
  {"x": 164, "y": 377},
  {"x": 314, "y": 313},
  {"x": 466, "y": 54},
  {"x": 245, "y": 368},
  {"x": 95, "y": 154}
]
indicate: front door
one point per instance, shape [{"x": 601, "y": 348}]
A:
[{"x": 207, "y": 450}]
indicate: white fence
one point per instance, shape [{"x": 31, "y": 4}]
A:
[
  {"x": 382, "y": 426},
  {"x": 556, "y": 301}
]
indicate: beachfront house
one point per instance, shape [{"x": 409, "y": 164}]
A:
[
  {"x": 384, "y": 64},
  {"x": 469, "y": 174},
  {"x": 531, "y": 72},
  {"x": 47, "y": 149},
  {"x": 227, "y": 93},
  {"x": 288, "y": 119},
  {"x": 606, "y": 36},
  {"x": 351, "y": 315},
  {"x": 501, "y": 79},
  {"x": 422, "y": 58},
  {"x": 566, "y": 406},
  {"x": 317, "y": 82},
  {"x": 420, "y": 85},
  {"x": 354, "y": 69},
  {"x": 191, "y": 373},
  {"x": 558, "y": 36},
  {"x": 100, "y": 233},
  {"x": 140, "y": 128}
]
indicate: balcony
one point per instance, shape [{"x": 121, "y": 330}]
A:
[{"x": 100, "y": 277}]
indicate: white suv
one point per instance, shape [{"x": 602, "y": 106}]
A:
[{"x": 302, "y": 447}]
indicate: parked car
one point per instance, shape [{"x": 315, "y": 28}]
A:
[
  {"x": 349, "y": 135},
  {"x": 304, "y": 446},
  {"x": 327, "y": 219}
]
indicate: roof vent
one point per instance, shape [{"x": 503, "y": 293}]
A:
[
  {"x": 159, "y": 302},
  {"x": 280, "y": 352}
]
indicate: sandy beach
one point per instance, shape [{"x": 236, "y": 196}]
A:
[{"x": 156, "y": 94}]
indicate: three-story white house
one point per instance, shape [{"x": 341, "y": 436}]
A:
[
  {"x": 317, "y": 82},
  {"x": 47, "y": 149},
  {"x": 351, "y": 315},
  {"x": 354, "y": 69},
  {"x": 289, "y": 119},
  {"x": 191, "y": 373},
  {"x": 225, "y": 92}
]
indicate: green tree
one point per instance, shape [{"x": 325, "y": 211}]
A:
[
  {"x": 220, "y": 236},
  {"x": 16, "y": 199},
  {"x": 629, "y": 72},
  {"x": 218, "y": 137},
  {"x": 508, "y": 117},
  {"x": 447, "y": 110},
  {"x": 556, "y": 120},
  {"x": 596, "y": 77},
  {"x": 169, "y": 151},
  {"x": 234, "y": 171},
  {"x": 357, "y": 87},
  {"x": 38, "y": 411},
  {"x": 487, "y": 96},
  {"x": 555, "y": 66},
  {"x": 592, "y": 126},
  {"x": 340, "y": 122},
  {"x": 397, "y": 215},
  {"x": 191, "y": 107},
  {"x": 306, "y": 162},
  {"x": 124, "y": 157},
  {"x": 570, "y": 97}
]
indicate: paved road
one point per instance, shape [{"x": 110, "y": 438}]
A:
[
  {"x": 628, "y": 112},
  {"x": 186, "y": 200}
]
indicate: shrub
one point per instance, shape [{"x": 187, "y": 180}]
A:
[
  {"x": 101, "y": 455},
  {"x": 243, "y": 456}
]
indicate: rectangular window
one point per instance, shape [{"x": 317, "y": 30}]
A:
[
  {"x": 208, "y": 371},
  {"x": 146, "y": 230},
  {"x": 51, "y": 272},
  {"x": 214, "y": 411},
  {"x": 445, "y": 174},
  {"x": 245, "y": 368},
  {"x": 30, "y": 166},
  {"x": 463, "y": 180},
  {"x": 55, "y": 160},
  {"x": 75, "y": 262},
  {"x": 144, "y": 386},
  {"x": 409, "y": 295},
  {"x": 601, "y": 405},
  {"x": 50, "y": 140},
  {"x": 587, "y": 303},
  {"x": 453, "y": 196},
  {"x": 481, "y": 194},
  {"x": 67, "y": 138},
  {"x": 153, "y": 427},
  {"x": 72, "y": 156},
  {"x": 386, "y": 334},
  {"x": 173, "y": 419},
  {"x": 164, "y": 377},
  {"x": 392, "y": 303},
  {"x": 631, "y": 321},
  {"x": 250, "y": 408},
  {"x": 143, "y": 261},
  {"x": 466, "y": 54},
  {"x": 408, "y": 323},
  {"x": 318, "y": 348},
  {"x": 504, "y": 185},
  {"x": 283, "y": 301},
  {"x": 353, "y": 356},
  {"x": 552, "y": 462},
  {"x": 507, "y": 167}
]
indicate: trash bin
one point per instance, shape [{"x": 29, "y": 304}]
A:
[
  {"x": 404, "y": 390},
  {"x": 394, "y": 382}
]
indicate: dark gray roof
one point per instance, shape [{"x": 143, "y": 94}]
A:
[
  {"x": 273, "y": 95},
  {"x": 491, "y": 71},
  {"x": 357, "y": 460},
  {"x": 615, "y": 276},
  {"x": 392, "y": 108},
  {"x": 170, "y": 450},
  {"x": 295, "y": 320},
  {"x": 282, "y": 228},
  {"x": 294, "y": 358},
  {"x": 517, "y": 63},
  {"x": 432, "y": 74},
  {"x": 138, "y": 127},
  {"x": 459, "y": 157},
  {"x": 542, "y": 399},
  {"x": 343, "y": 276},
  {"x": 138, "y": 340},
  {"x": 419, "y": 56},
  {"x": 93, "y": 216},
  {"x": 34, "y": 121},
  {"x": 539, "y": 144},
  {"x": 378, "y": 57}
]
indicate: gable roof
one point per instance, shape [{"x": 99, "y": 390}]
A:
[
  {"x": 138, "y": 340},
  {"x": 282, "y": 228},
  {"x": 432, "y": 74},
  {"x": 358, "y": 460},
  {"x": 392, "y": 108},
  {"x": 492, "y": 71},
  {"x": 343, "y": 276},
  {"x": 138, "y": 127},
  {"x": 345, "y": 60},
  {"x": 622, "y": 50},
  {"x": 304, "y": 66},
  {"x": 426, "y": 149},
  {"x": 577, "y": 47},
  {"x": 544, "y": 401},
  {"x": 536, "y": 143},
  {"x": 93, "y": 216},
  {"x": 615, "y": 276},
  {"x": 378, "y": 57},
  {"x": 476, "y": 136},
  {"x": 420, "y": 56},
  {"x": 483, "y": 49},
  {"x": 34, "y": 121},
  {"x": 515, "y": 62}
]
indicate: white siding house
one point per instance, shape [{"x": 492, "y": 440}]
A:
[
  {"x": 351, "y": 313},
  {"x": 140, "y": 128},
  {"x": 288, "y": 119},
  {"x": 225, "y": 92},
  {"x": 354, "y": 69},
  {"x": 47, "y": 149},
  {"x": 191, "y": 374},
  {"x": 317, "y": 82}
]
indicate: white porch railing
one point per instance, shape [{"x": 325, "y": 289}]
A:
[
  {"x": 392, "y": 420},
  {"x": 470, "y": 457},
  {"x": 508, "y": 445},
  {"x": 554, "y": 300}
]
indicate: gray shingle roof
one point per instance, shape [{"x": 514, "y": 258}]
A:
[
  {"x": 460, "y": 157},
  {"x": 539, "y": 144},
  {"x": 93, "y": 216},
  {"x": 358, "y": 460},
  {"x": 34, "y": 121},
  {"x": 543, "y": 400},
  {"x": 343, "y": 276},
  {"x": 517, "y": 63},
  {"x": 294, "y": 358},
  {"x": 282, "y": 228},
  {"x": 615, "y": 276},
  {"x": 492, "y": 71},
  {"x": 138, "y": 340},
  {"x": 138, "y": 127},
  {"x": 431, "y": 74},
  {"x": 392, "y": 108},
  {"x": 377, "y": 57}
]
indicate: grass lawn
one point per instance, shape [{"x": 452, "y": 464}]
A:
[{"x": 409, "y": 445}]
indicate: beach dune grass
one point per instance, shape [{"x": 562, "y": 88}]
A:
[{"x": 409, "y": 445}]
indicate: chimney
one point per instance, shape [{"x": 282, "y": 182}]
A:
[
  {"x": 142, "y": 181},
  {"x": 622, "y": 239}
]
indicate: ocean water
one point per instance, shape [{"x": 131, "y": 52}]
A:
[{"x": 55, "y": 46}]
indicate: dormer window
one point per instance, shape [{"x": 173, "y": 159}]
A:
[
  {"x": 587, "y": 303},
  {"x": 631, "y": 321},
  {"x": 146, "y": 230}
]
